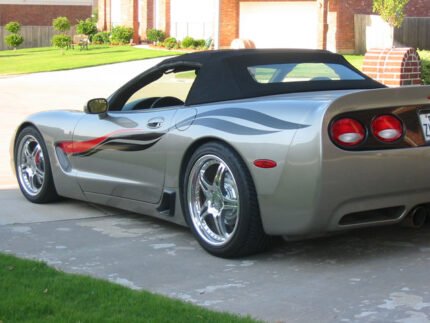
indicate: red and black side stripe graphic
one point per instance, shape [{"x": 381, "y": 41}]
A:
[{"x": 121, "y": 140}]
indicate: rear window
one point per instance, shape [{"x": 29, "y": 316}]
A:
[{"x": 302, "y": 72}]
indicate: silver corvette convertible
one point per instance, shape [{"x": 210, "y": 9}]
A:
[{"x": 240, "y": 146}]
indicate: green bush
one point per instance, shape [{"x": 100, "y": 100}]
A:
[
  {"x": 102, "y": 37},
  {"x": 86, "y": 27},
  {"x": 199, "y": 43},
  {"x": 61, "y": 24},
  {"x": 155, "y": 35},
  {"x": 14, "y": 40},
  {"x": 121, "y": 35},
  {"x": 187, "y": 42},
  {"x": 170, "y": 42},
  {"x": 61, "y": 41},
  {"x": 13, "y": 27},
  {"x": 425, "y": 65},
  {"x": 392, "y": 11}
]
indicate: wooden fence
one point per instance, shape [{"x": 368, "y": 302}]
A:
[
  {"x": 34, "y": 36},
  {"x": 372, "y": 32}
]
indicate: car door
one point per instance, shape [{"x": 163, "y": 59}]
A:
[{"x": 123, "y": 153}]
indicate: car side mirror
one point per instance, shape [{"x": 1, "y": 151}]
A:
[{"x": 97, "y": 106}]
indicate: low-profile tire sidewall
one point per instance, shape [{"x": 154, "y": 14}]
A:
[{"x": 48, "y": 192}]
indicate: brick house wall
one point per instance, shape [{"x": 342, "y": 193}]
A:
[
  {"x": 335, "y": 25},
  {"x": 342, "y": 26},
  {"x": 41, "y": 15},
  {"x": 137, "y": 14}
]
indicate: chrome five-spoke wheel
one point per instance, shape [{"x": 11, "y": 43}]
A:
[
  {"x": 213, "y": 200},
  {"x": 31, "y": 165},
  {"x": 220, "y": 202}
]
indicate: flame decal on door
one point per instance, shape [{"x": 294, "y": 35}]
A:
[{"x": 121, "y": 140}]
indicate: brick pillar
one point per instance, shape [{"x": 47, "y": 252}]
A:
[
  {"x": 229, "y": 22},
  {"x": 150, "y": 14},
  {"x": 102, "y": 21},
  {"x": 322, "y": 23},
  {"x": 393, "y": 66},
  {"x": 167, "y": 14},
  {"x": 136, "y": 37}
]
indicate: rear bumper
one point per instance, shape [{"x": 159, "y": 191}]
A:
[{"x": 349, "y": 190}]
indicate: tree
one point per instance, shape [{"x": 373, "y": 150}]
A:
[
  {"x": 392, "y": 11},
  {"x": 86, "y": 27},
  {"x": 61, "y": 24},
  {"x": 14, "y": 39}
]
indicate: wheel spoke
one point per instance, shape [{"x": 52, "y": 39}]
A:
[
  {"x": 219, "y": 175},
  {"x": 230, "y": 204},
  {"x": 32, "y": 181},
  {"x": 204, "y": 214},
  {"x": 35, "y": 151},
  {"x": 40, "y": 175},
  {"x": 220, "y": 226},
  {"x": 26, "y": 151},
  {"x": 204, "y": 185}
]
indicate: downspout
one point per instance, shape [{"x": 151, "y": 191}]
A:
[{"x": 217, "y": 24}]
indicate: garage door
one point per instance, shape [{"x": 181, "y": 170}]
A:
[
  {"x": 195, "y": 18},
  {"x": 280, "y": 24}
]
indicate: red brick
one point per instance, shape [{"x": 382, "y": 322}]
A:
[{"x": 41, "y": 15}]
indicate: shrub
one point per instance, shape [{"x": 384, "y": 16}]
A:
[
  {"x": 199, "y": 43},
  {"x": 13, "y": 27},
  {"x": 155, "y": 35},
  {"x": 14, "y": 40},
  {"x": 392, "y": 11},
  {"x": 425, "y": 64},
  {"x": 61, "y": 24},
  {"x": 187, "y": 42},
  {"x": 61, "y": 41},
  {"x": 102, "y": 37},
  {"x": 86, "y": 27},
  {"x": 121, "y": 35},
  {"x": 170, "y": 42}
]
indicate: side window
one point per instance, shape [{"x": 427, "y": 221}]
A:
[{"x": 170, "y": 89}]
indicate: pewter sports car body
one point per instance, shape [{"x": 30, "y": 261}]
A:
[{"x": 240, "y": 146}]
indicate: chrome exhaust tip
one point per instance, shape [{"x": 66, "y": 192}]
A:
[{"x": 416, "y": 218}]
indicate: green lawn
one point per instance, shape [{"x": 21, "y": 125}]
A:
[
  {"x": 33, "y": 292},
  {"x": 355, "y": 60},
  {"x": 45, "y": 59}
]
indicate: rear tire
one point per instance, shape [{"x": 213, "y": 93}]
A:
[
  {"x": 220, "y": 203},
  {"x": 33, "y": 167}
]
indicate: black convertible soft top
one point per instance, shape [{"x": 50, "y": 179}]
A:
[{"x": 223, "y": 74}]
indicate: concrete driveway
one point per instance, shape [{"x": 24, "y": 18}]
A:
[{"x": 377, "y": 275}]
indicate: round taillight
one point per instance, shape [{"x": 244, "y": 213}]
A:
[
  {"x": 387, "y": 128},
  {"x": 347, "y": 132}
]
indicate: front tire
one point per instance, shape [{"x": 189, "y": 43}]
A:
[
  {"x": 220, "y": 203},
  {"x": 33, "y": 167}
]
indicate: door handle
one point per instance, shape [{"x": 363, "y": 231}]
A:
[{"x": 155, "y": 123}]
